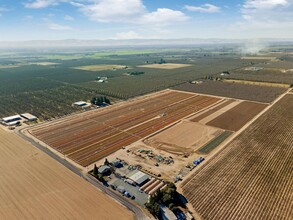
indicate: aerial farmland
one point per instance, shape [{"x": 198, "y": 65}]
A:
[
  {"x": 35, "y": 186},
  {"x": 232, "y": 184}
]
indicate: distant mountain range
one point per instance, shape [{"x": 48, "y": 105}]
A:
[{"x": 133, "y": 43}]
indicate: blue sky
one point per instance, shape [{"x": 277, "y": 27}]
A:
[{"x": 134, "y": 19}]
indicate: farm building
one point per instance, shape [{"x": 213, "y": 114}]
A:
[
  {"x": 104, "y": 169},
  {"x": 167, "y": 214},
  {"x": 138, "y": 177},
  {"x": 29, "y": 117},
  {"x": 116, "y": 163},
  {"x": 82, "y": 104},
  {"x": 11, "y": 118}
]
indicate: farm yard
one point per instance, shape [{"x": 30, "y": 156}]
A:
[
  {"x": 234, "y": 90},
  {"x": 90, "y": 136},
  {"x": 35, "y": 186},
  {"x": 251, "y": 177}
]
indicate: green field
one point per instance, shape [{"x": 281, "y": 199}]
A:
[{"x": 206, "y": 149}]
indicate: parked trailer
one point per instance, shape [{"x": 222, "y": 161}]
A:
[
  {"x": 156, "y": 188},
  {"x": 157, "y": 182},
  {"x": 147, "y": 184}
]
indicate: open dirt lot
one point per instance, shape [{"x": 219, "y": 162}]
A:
[
  {"x": 183, "y": 138},
  {"x": 258, "y": 58},
  {"x": 44, "y": 63},
  {"x": 34, "y": 186},
  {"x": 237, "y": 117},
  {"x": 166, "y": 66},
  {"x": 8, "y": 66},
  {"x": 250, "y": 178},
  {"x": 212, "y": 110},
  {"x": 90, "y": 136},
  {"x": 234, "y": 90},
  {"x": 100, "y": 67}
]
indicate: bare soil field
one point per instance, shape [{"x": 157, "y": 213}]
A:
[
  {"x": 183, "y": 138},
  {"x": 211, "y": 111},
  {"x": 100, "y": 67},
  {"x": 258, "y": 58},
  {"x": 90, "y": 136},
  {"x": 234, "y": 90},
  {"x": 44, "y": 63},
  {"x": 237, "y": 117},
  {"x": 34, "y": 186},
  {"x": 8, "y": 66},
  {"x": 250, "y": 178},
  {"x": 166, "y": 66}
]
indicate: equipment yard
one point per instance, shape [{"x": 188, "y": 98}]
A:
[
  {"x": 251, "y": 177},
  {"x": 87, "y": 137},
  {"x": 35, "y": 186}
]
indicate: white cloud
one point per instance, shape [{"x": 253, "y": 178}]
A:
[
  {"x": 163, "y": 16},
  {"x": 114, "y": 10},
  {"x": 206, "y": 8},
  {"x": 68, "y": 18},
  {"x": 127, "y": 35},
  {"x": 129, "y": 11},
  {"x": 59, "y": 27},
  {"x": 266, "y": 18},
  {"x": 264, "y": 4},
  {"x": 36, "y": 4}
]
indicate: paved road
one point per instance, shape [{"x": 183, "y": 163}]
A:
[{"x": 139, "y": 214}]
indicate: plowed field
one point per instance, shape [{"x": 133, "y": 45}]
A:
[
  {"x": 34, "y": 186},
  {"x": 90, "y": 136},
  {"x": 251, "y": 178},
  {"x": 237, "y": 117}
]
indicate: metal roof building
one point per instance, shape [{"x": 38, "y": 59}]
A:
[
  {"x": 104, "y": 169},
  {"x": 12, "y": 118},
  {"x": 138, "y": 177},
  {"x": 29, "y": 116}
]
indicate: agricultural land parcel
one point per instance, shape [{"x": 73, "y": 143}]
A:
[
  {"x": 34, "y": 186},
  {"x": 93, "y": 135},
  {"x": 183, "y": 138},
  {"x": 167, "y": 66},
  {"x": 48, "y": 91},
  {"x": 252, "y": 176},
  {"x": 234, "y": 90}
]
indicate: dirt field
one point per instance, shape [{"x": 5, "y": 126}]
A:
[
  {"x": 90, "y": 136},
  {"x": 212, "y": 110},
  {"x": 251, "y": 178},
  {"x": 258, "y": 58},
  {"x": 34, "y": 186},
  {"x": 8, "y": 66},
  {"x": 100, "y": 67},
  {"x": 234, "y": 90},
  {"x": 237, "y": 117},
  {"x": 44, "y": 63},
  {"x": 166, "y": 66},
  {"x": 183, "y": 138}
]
